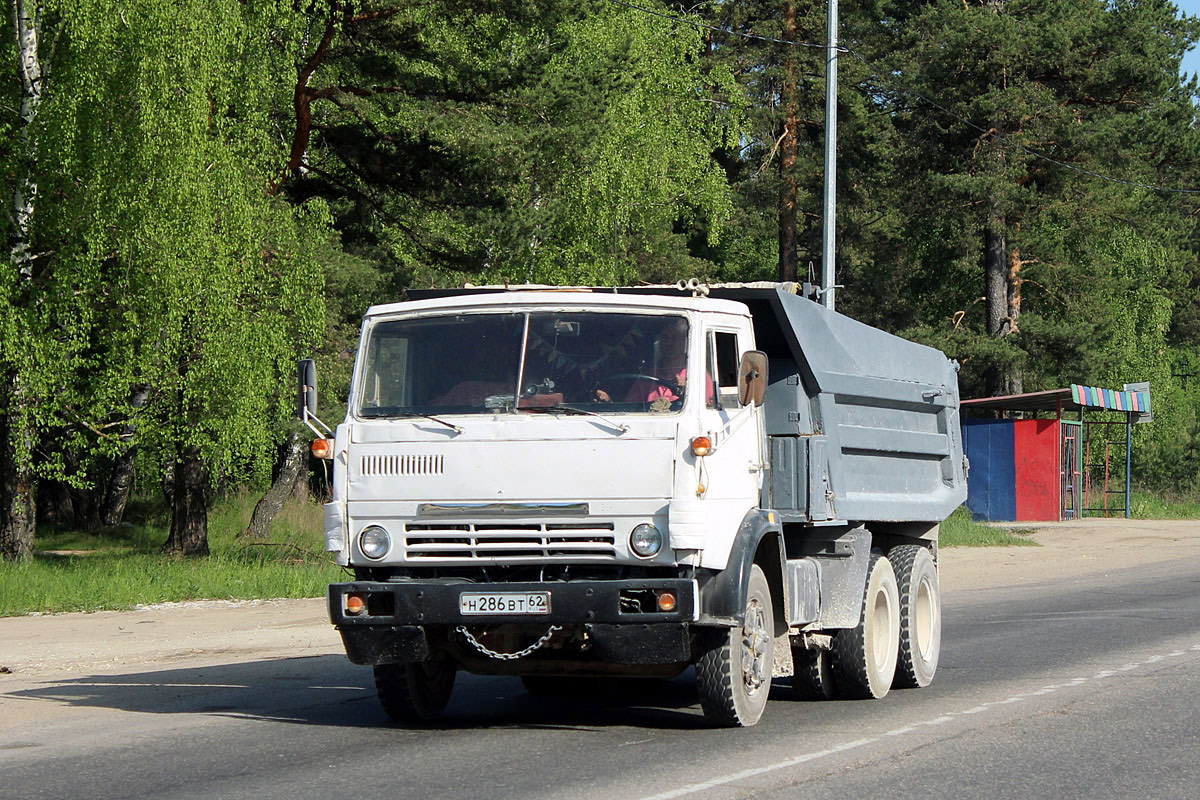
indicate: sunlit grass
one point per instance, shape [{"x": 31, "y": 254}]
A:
[
  {"x": 122, "y": 567},
  {"x": 1166, "y": 505},
  {"x": 962, "y": 531}
]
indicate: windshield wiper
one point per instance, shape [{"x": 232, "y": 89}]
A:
[
  {"x": 579, "y": 411},
  {"x": 410, "y": 414}
]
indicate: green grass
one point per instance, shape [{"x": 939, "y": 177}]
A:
[
  {"x": 962, "y": 531},
  {"x": 120, "y": 568},
  {"x": 1166, "y": 505}
]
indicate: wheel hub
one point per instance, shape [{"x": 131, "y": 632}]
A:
[{"x": 754, "y": 648}]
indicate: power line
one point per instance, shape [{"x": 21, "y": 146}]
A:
[{"x": 883, "y": 76}]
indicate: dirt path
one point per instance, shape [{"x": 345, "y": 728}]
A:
[
  {"x": 1068, "y": 549},
  {"x": 40, "y": 648}
]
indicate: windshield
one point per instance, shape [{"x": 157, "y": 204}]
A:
[{"x": 484, "y": 363}]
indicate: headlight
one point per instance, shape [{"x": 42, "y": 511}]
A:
[
  {"x": 646, "y": 540},
  {"x": 374, "y": 542}
]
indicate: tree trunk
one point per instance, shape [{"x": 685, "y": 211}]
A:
[
  {"x": 787, "y": 150},
  {"x": 1003, "y": 291},
  {"x": 27, "y": 16},
  {"x": 189, "y": 506},
  {"x": 290, "y": 473},
  {"x": 83, "y": 506},
  {"x": 996, "y": 272},
  {"x": 996, "y": 280},
  {"x": 120, "y": 482},
  {"x": 18, "y": 526},
  {"x": 54, "y": 504},
  {"x": 1016, "y": 384},
  {"x": 18, "y": 516}
]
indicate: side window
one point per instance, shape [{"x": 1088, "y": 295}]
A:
[{"x": 722, "y": 376}]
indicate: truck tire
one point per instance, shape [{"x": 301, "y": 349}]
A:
[
  {"x": 920, "y": 615},
  {"x": 415, "y": 692},
  {"x": 734, "y": 677},
  {"x": 864, "y": 658},
  {"x": 812, "y": 678}
]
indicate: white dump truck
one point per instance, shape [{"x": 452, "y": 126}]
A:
[{"x": 574, "y": 484}]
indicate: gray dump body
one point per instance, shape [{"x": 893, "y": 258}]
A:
[{"x": 862, "y": 425}]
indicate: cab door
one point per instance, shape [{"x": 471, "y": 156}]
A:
[{"x": 732, "y": 473}]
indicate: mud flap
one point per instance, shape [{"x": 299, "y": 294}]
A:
[
  {"x": 843, "y": 580},
  {"x": 398, "y": 644}
]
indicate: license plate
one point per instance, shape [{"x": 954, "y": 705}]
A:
[{"x": 479, "y": 603}]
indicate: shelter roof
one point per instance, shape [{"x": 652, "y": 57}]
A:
[{"x": 1073, "y": 398}]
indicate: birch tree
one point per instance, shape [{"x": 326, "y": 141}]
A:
[{"x": 18, "y": 293}]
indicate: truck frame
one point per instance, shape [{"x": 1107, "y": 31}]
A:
[{"x": 576, "y": 484}]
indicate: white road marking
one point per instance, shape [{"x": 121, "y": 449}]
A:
[
  {"x": 734, "y": 777},
  {"x": 750, "y": 773},
  {"x": 898, "y": 731}
]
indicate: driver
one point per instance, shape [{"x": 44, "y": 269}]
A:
[{"x": 669, "y": 373}]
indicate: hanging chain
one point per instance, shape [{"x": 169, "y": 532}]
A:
[{"x": 553, "y": 629}]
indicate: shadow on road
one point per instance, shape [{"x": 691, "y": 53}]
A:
[{"x": 326, "y": 690}]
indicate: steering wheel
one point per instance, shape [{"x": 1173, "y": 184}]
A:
[
  {"x": 637, "y": 376},
  {"x": 633, "y": 377}
]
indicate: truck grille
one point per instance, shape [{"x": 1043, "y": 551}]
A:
[{"x": 510, "y": 543}]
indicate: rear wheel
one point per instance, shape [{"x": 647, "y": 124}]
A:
[
  {"x": 415, "y": 692},
  {"x": 864, "y": 657},
  {"x": 734, "y": 678},
  {"x": 920, "y": 615},
  {"x": 812, "y": 676}
]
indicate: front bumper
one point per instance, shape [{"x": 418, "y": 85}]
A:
[
  {"x": 435, "y": 602},
  {"x": 395, "y": 626}
]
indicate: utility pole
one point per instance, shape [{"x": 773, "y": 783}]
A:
[{"x": 827, "y": 244}]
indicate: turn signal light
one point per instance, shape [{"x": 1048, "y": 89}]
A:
[
  {"x": 666, "y": 601},
  {"x": 701, "y": 446},
  {"x": 322, "y": 448},
  {"x": 355, "y": 604}
]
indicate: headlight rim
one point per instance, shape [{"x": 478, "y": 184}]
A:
[
  {"x": 387, "y": 539},
  {"x": 661, "y": 541}
]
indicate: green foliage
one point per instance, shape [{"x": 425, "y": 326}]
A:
[
  {"x": 547, "y": 142},
  {"x": 165, "y": 262},
  {"x": 626, "y": 153}
]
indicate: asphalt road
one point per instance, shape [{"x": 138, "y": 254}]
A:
[{"x": 1084, "y": 688}]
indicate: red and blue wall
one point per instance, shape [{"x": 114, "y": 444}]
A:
[{"x": 1014, "y": 472}]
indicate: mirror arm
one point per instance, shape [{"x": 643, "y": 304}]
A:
[{"x": 308, "y": 418}]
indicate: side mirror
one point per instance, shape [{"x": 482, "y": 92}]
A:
[
  {"x": 306, "y": 396},
  {"x": 752, "y": 378}
]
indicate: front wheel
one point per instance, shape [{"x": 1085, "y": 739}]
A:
[
  {"x": 864, "y": 657},
  {"x": 734, "y": 678},
  {"x": 415, "y": 692}
]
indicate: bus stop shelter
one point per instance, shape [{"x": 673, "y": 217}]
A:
[{"x": 1068, "y": 455}]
